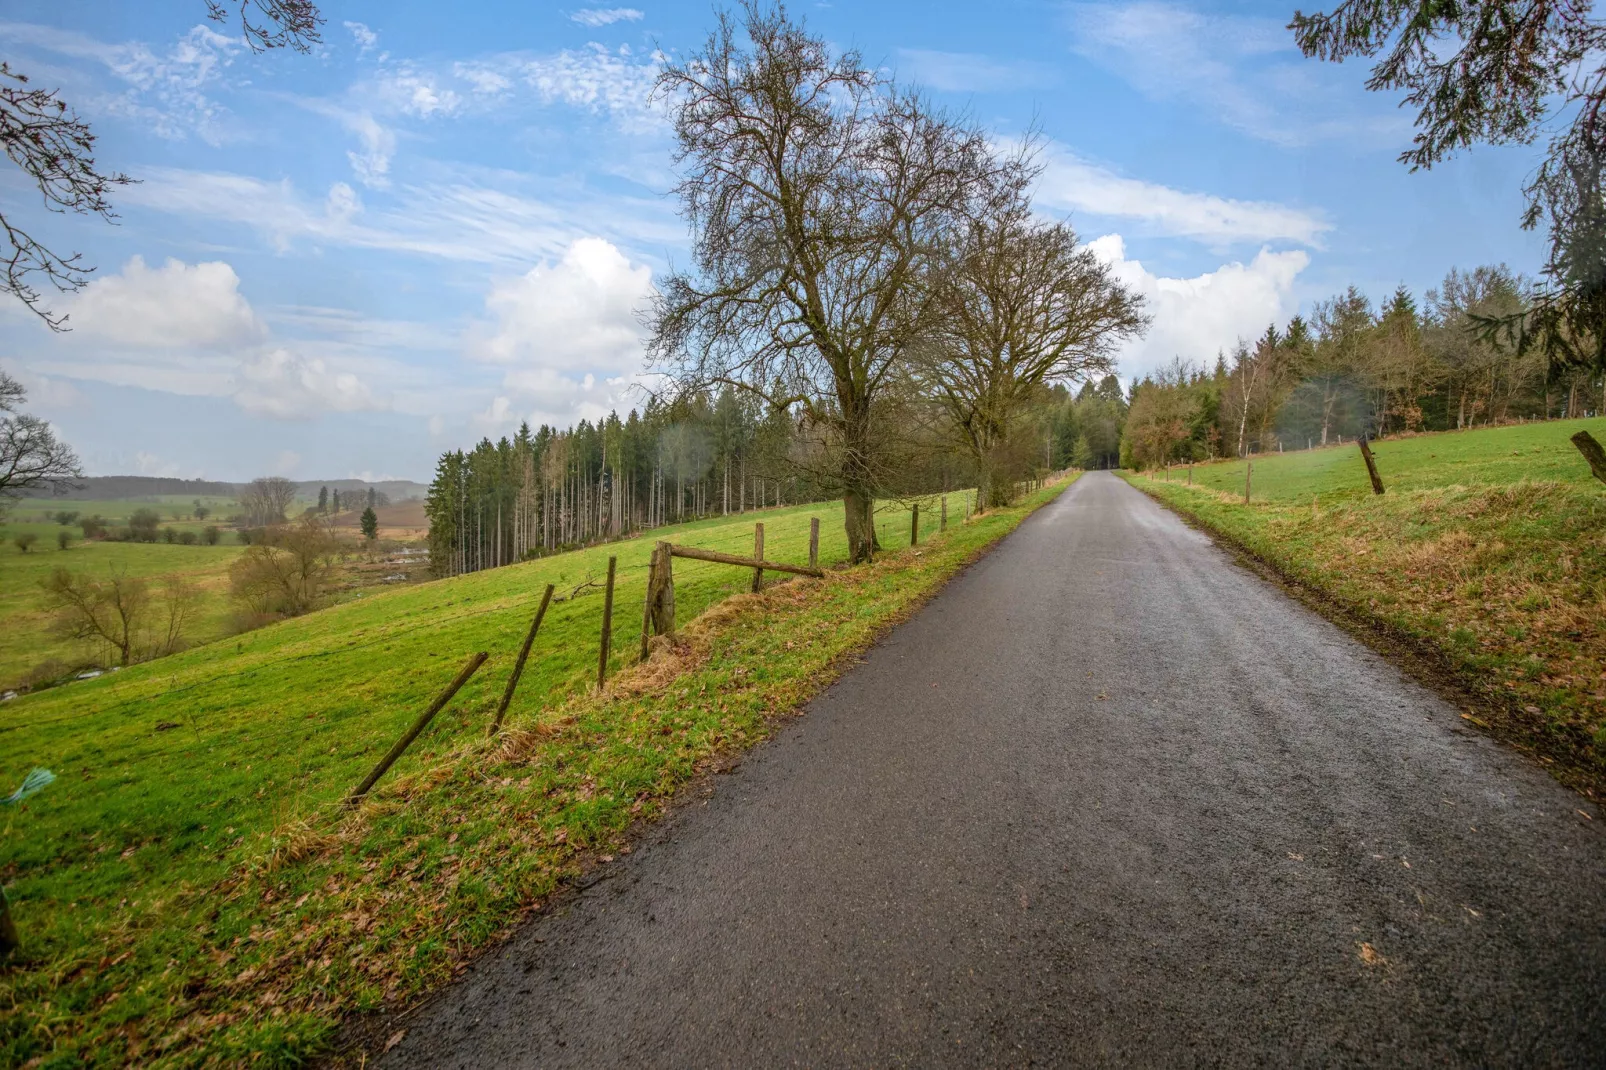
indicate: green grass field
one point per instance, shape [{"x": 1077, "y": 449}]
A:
[
  {"x": 148, "y": 879},
  {"x": 1494, "y": 456},
  {"x": 1488, "y": 547},
  {"x": 29, "y": 643}
]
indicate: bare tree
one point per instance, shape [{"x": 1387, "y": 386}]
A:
[
  {"x": 286, "y": 574},
  {"x": 819, "y": 195},
  {"x": 265, "y": 501},
  {"x": 1021, "y": 306},
  {"x": 30, "y": 454},
  {"x": 56, "y": 150},
  {"x": 112, "y": 611}
]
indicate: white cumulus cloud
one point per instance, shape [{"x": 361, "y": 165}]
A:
[
  {"x": 1196, "y": 317},
  {"x": 575, "y": 316},
  {"x": 174, "y": 306},
  {"x": 287, "y": 386}
]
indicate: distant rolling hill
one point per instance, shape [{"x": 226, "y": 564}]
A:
[{"x": 105, "y": 488}]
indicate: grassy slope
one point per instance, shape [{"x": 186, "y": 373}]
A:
[
  {"x": 194, "y": 891},
  {"x": 1489, "y": 547}
]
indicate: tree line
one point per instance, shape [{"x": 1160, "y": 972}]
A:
[{"x": 1356, "y": 369}]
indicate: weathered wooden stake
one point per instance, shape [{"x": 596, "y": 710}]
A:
[
  {"x": 1371, "y": 466},
  {"x": 474, "y": 662},
  {"x": 1190, "y": 475},
  {"x": 518, "y": 666},
  {"x": 607, "y": 626},
  {"x": 914, "y": 525},
  {"x": 661, "y": 592},
  {"x": 646, "y": 604},
  {"x": 1592, "y": 453},
  {"x": 758, "y": 555},
  {"x": 1249, "y": 470},
  {"x": 814, "y": 542}
]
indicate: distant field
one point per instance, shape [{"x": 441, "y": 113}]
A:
[
  {"x": 1489, "y": 546},
  {"x": 176, "y": 773},
  {"x": 28, "y": 644},
  {"x": 27, "y": 639}
]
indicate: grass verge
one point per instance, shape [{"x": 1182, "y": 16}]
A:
[
  {"x": 1500, "y": 585},
  {"x": 258, "y": 954}
]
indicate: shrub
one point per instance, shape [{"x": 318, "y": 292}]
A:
[
  {"x": 94, "y": 527},
  {"x": 63, "y": 539},
  {"x": 66, "y": 517},
  {"x": 143, "y": 524},
  {"x": 170, "y": 534},
  {"x": 25, "y": 541},
  {"x": 211, "y": 535},
  {"x": 188, "y": 538}
]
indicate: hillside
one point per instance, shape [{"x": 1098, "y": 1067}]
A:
[{"x": 197, "y": 794}]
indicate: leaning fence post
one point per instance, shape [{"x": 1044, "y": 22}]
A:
[
  {"x": 473, "y": 663},
  {"x": 607, "y": 626},
  {"x": 1371, "y": 466},
  {"x": 914, "y": 524},
  {"x": 814, "y": 542},
  {"x": 518, "y": 666},
  {"x": 758, "y": 555}
]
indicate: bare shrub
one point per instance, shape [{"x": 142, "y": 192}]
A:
[{"x": 284, "y": 573}]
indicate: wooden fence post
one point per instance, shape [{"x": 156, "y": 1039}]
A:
[
  {"x": 914, "y": 525},
  {"x": 942, "y": 514},
  {"x": 518, "y": 666},
  {"x": 646, "y": 603},
  {"x": 1371, "y": 466},
  {"x": 814, "y": 542},
  {"x": 607, "y": 626},
  {"x": 661, "y": 593},
  {"x": 473, "y": 663},
  {"x": 1190, "y": 473},
  {"x": 1249, "y": 470},
  {"x": 758, "y": 555},
  {"x": 1592, "y": 453}
]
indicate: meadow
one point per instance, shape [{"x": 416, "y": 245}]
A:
[
  {"x": 31, "y": 650},
  {"x": 1487, "y": 552},
  {"x": 198, "y": 794}
]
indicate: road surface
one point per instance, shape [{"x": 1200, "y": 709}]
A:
[{"x": 1109, "y": 799}]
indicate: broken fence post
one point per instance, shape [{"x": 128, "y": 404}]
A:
[
  {"x": 474, "y": 662},
  {"x": 914, "y": 525},
  {"x": 518, "y": 666}
]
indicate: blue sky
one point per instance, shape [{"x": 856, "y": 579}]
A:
[{"x": 443, "y": 222}]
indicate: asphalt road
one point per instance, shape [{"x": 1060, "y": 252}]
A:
[{"x": 1109, "y": 799}]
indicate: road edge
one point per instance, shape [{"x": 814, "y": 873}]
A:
[{"x": 1484, "y": 708}]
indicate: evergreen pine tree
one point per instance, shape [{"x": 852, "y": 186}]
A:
[
  {"x": 323, "y": 499},
  {"x": 370, "y": 524}
]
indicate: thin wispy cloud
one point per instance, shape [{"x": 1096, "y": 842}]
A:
[
  {"x": 600, "y": 16},
  {"x": 969, "y": 72},
  {"x": 1069, "y": 183},
  {"x": 168, "y": 90},
  {"x": 1243, "y": 71}
]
